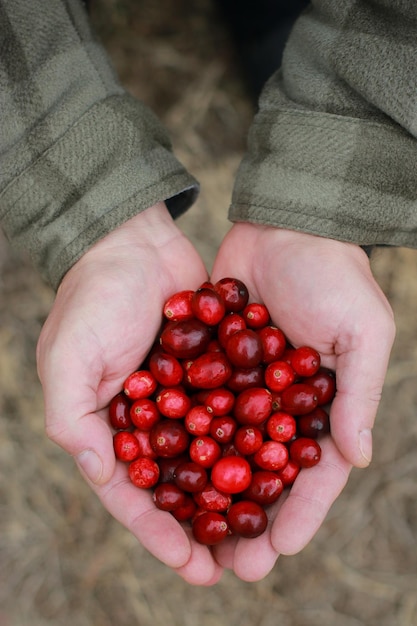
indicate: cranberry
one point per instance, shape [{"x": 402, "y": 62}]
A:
[
  {"x": 325, "y": 384},
  {"x": 119, "y": 412},
  {"x": 198, "y": 420},
  {"x": 208, "y": 306},
  {"x": 281, "y": 426},
  {"x": 144, "y": 472},
  {"x": 265, "y": 488},
  {"x": 279, "y": 375},
  {"x": 145, "y": 448},
  {"x": 166, "y": 369},
  {"x": 209, "y": 370},
  {"x": 305, "y": 451},
  {"x": 288, "y": 473},
  {"x": 313, "y": 424},
  {"x": 144, "y": 413},
  {"x": 305, "y": 361},
  {"x": 248, "y": 440},
  {"x": 220, "y": 401},
  {"x": 273, "y": 343},
  {"x": 173, "y": 402},
  {"x": 186, "y": 511},
  {"x": 256, "y": 315},
  {"x": 244, "y": 378},
  {"x": 231, "y": 474},
  {"x": 205, "y": 451},
  {"x": 125, "y": 445},
  {"x": 168, "y": 465},
  {"x": 299, "y": 399},
  {"x": 234, "y": 293},
  {"x": 231, "y": 324},
  {"x": 223, "y": 428},
  {"x": 140, "y": 384},
  {"x": 211, "y": 499},
  {"x": 244, "y": 348},
  {"x": 247, "y": 519},
  {"x": 190, "y": 477},
  {"x": 185, "y": 339},
  {"x": 210, "y": 528},
  {"x": 253, "y": 406},
  {"x": 178, "y": 307},
  {"x": 169, "y": 438},
  {"x": 168, "y": 496},
  {"x": 272, "y": 455}
]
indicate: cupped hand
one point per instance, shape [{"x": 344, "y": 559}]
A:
[
  {"x": 322, "y": 293},
  {"x": 104, "y": 319}
]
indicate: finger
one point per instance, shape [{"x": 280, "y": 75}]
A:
[
  {"x": 201, "y": 568},
  {"x": 309, "y": 500},
  {"x": 360, "y": 374},
  {"x": 158, "y": 531}
]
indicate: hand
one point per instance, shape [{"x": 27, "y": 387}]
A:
[
  {"x": 105, "y": 317},
  {"x": 320, "y": 292}
]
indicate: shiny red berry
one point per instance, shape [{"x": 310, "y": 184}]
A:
[
  {"x": 305, "y": 361},
  {"x": 168, "y": 496},
  {"x": 247, "y": 519},
  {"x": 281, "y": 426},
  {"x": 144, "y": 472},
  {"x": 256, "y": 315},
  {"x": 185, "y": 339},
  {"x": 126, "y": 447},
  {"x": 231, "y": 474},
  {"x": 234, "y": 293},
  {"x": 178, "y": 306},
  {"x": 208, "y": 306},
  {"x": 119, "y": 412},
  {"x": 299, "y": 399},
  {"x": 279, "y": 375},
  {"x": 210, "y": 528},
  {"x": 140, "y": 384},
  {"x": 210, "y": 370},
  {"x": 244, "y": 348},
  {"x": 305, "y": 451},
  {"x": 144, "y": 413}
]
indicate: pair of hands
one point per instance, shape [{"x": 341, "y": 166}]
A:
[{"x": 106, "y": 314}]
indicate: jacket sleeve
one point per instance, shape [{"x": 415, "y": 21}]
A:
[
  {"x": 78, "y": 155},
  {"x": 333, "y": 148}
]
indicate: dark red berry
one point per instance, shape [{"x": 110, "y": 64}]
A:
[
  {"x": 220, "y": 401},
  {"x": 314, "y": 424},
  {"x": 190, "y": 477},
  {"x": 265, "y": 488},
  {"x": 299, "y": 399},
  {"x": 168, "y": 496},
  {"x": 169, "y": 438},
  {"x": 210, "y": 370},
  {"x": 305, "y": 451},
  {"x": 325, "y": 384},
  {"x": 208, "y": 306},
  {"x": 247, "y": 519},
  {"x": 185, "y": 340},
  {"x": 244, "y": 349},
  {"x": 119, "y": 412},
  {"x": 178, "y": 307},
  {"x": 253, "y": 406},
  {"x": 231, "y": 324},
  {"x": 234, "y": 293},
  {"x": 273, "y": 343},
  {"x": 305, "y": 361},
  {"x": 248, "y": 440},
  {"x": 166, "y": 369},
  {"x": 223, "y": 428},
  {"x": 210, "y": 528}
]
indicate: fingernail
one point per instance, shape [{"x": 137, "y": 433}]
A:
[
  {"x": 90, "y": 463},
  {"x": 365, "y": 444}
]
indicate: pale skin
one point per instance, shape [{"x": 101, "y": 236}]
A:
[{"x": 106, "y": 314}]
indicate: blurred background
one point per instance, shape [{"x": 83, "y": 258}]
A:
[{"x": 63, "y": 559}]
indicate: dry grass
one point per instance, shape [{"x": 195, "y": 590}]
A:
[{"x": 63, "y": 560}]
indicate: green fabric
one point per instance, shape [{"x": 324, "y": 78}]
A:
[
  {"x": 79, "y": 156},
  {"x": 333, "y": 148}
]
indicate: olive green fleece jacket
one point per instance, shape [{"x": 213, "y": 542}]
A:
[{"x": 332, "y": 150}]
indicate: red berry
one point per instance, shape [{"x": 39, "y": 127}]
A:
[
  {"x": 231, "y": 324},
  {"x": 305, "y": 451},
  {"x": 186, "y": 511},
  {"x": 166, "y": 369},
  {"x": 168, "y": 496},
  {"x": 299, "y": 399},
  {"x": 256, "y": 315},
  {"x": 313, "y": 424},
  {"x": 288, "y": 473},
  {"x": 140, "y": 384},
  {"x": 253, "y": 406},
  {"x": 190, "y": 477},
  {"x": 281, "y": 426},
  {"x": 244, "y": 378},
  {"x": 169, "y": 438},
  {"x": 223, "y": 428},
  {"x": 305, "y": 361},
  {"x": 119, "y": 412},
  {"x": 211, "y": 499},
  {"x": 273, "y": 343},
  {"x": 208, "y": 306},
  {"x": 205, "y": 451},
  {"x": 198, "y": 420},
  {"x": 265, "y": 488},
  {"x": 248, "y": 440},
  {"x": 210, "y": 370},
  {"x": 231, "y": 474},
  {"x": 220, "y": 401},
  {"x": 247, "y": 519},
  {"x": 325, "y": 384},
  {"x": 126, "y": 447},
  {"x": 185, "y": 340},
  {"x": 173, "y": 402},
  {"x": 279, "y": 375},
  {"x": 178, "y": 306},
  {"x": 144, "y": 413},
  {"x": 145, "y": 448},
  {"x": 234, "y": 293},
  {"x": 210, "y": 528},
  {"x": 272, "y": 455},
  {"x": 168, "y": 465},
  {"x": 144, "y": 472},
  {"x": 244, "y": 349}
]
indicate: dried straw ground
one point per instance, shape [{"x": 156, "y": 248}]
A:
[{"x": 63, "y": 560}]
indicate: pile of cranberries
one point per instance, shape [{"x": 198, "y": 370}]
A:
[{"x": 223, "y": 413}]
